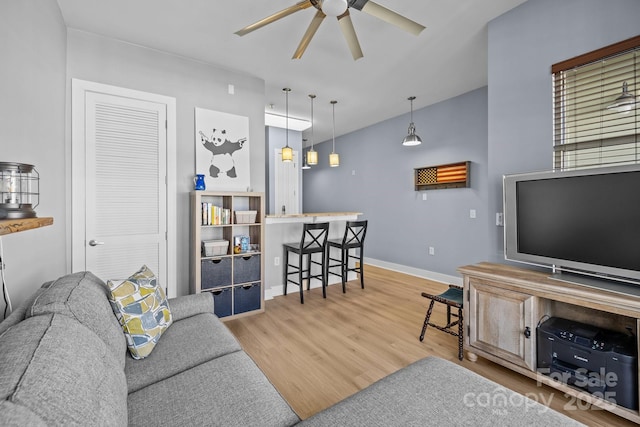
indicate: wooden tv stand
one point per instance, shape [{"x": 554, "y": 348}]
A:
[{"x": 504, "y": 304}]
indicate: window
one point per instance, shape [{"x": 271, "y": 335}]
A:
[{"x": 597, "y": 108}]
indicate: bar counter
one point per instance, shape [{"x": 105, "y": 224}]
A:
[
  {"x": 312, "y": 217},
  {"x": 287, "y": 228}
]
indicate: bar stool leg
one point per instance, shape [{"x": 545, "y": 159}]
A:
[
  {"x": 324, "y": 276},
  {"x": 361, "y": 269},
  {"x": 286, "y": 270},
  {"x": 460, "y": 344},
  {"x": 300, "y": 262},
  {"x": 344, "y": 260},
  {"x": 426, "y": 320}
]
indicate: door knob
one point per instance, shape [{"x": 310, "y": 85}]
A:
[{"x": 95, "y": 243}]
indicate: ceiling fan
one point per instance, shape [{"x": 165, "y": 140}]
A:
[{"x": 340, "y": 10}]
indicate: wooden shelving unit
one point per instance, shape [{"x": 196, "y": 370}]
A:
[
  {"x": 453, "y": 175},
  {"x": 8, "y": 226},
  {"x": 236, "y": 279}
]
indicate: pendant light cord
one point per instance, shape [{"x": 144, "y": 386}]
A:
[
  {"x": 333, "y": 104},
  {"x": 312, "y": 138},
  {"x": 286, "y": 92}
]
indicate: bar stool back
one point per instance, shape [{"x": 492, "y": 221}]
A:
[
  {"x": 353, "y": 238},
  {"x": 313, "y": 241}
]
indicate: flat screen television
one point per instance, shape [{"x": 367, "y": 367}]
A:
[{"x": 584, "y": 222}]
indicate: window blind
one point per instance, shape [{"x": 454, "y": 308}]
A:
[{"x": 596, "y": 108}]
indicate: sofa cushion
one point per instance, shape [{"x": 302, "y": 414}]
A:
[
  {"x": 12, "y": 414},
  {"x": 191, "y": 305},
  {"x": 141, "y": 307},
  {"x": 62, "y": 373},
  {"x": 227, "y": 391},
  {"x": 83, "y": 297},
  {"x": 187, "y": 343},
  {"x": 433, "y": 391},
  {"x": 19, "y": 313}
]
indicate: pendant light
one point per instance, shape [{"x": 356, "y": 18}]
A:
[
  {"x": 412, "y": 138},
  {"x": 287, "y": 152},
  {"x": 312, "y": 155},
  {"x": 625, "y": 102},
  {"x": 305, "y": 164},
  {"x": 334, "y": 158}
]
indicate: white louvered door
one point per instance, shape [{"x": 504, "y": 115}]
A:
[{"x": 125, "y": 152}]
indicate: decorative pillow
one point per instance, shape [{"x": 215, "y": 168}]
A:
[{"x": 141, "y": 307}]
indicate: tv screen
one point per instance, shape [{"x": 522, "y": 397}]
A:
[{"x": 585, "y": 221}]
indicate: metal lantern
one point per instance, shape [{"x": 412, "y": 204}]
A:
[{"x": 19, "y": 186}]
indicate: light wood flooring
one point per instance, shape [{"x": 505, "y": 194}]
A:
[{"x": 318, "y": 353}]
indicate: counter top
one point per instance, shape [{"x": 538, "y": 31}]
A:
[
  {"x": 311, "y": 217},
  {"x": 314, "y": 214}
]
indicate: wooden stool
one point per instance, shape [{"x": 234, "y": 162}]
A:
[{"x": 452, "y": 297}]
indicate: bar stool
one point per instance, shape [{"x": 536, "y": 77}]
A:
[
  {"x": 452, "y": 297},
  {"x": 353, "y": 238},
  {"x": 313, "y": 241}
]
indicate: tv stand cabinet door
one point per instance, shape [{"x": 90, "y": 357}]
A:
[{"x": 501, "y": 323}]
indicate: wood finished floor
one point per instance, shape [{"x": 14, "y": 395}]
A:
[{"x": 318, "y": 353}]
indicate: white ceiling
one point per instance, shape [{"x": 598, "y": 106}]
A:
[{"x": 447, "y": 59}]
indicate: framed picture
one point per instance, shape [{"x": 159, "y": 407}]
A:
[{"x": 222, "y": 149}]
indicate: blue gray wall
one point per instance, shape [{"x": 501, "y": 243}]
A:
[
  {"x": 523, "y": 44},
  {"x": 504, "y": 128},
  {"x": 375, "y": 177}
]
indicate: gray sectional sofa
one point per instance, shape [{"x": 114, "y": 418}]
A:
[{"x": 64, "y": 361}]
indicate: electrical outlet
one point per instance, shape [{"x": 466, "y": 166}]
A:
[
  {"x": 472, "y": 213},
  {"x": 432, "y": 250},
  {"x": 276, "y": 261}
]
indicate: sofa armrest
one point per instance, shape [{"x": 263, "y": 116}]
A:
[{"x": 190, "y": 305}]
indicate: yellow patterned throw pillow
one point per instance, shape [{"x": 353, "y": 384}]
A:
[{"x": 142, "y": 309}]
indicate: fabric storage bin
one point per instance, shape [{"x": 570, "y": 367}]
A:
[
  {"x": 246, "y": 217},
  {"x": 215, "y": 272},
  {"x": 246, "y": 269},
  {"x": 246, "y": 298},
  {"x": 214, "y": 247},
  {"x": 222, "y": 302}
]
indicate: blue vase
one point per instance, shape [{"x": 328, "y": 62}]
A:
[{"x": 199, "y": 182}]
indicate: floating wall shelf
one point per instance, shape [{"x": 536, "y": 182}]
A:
[
  {"x": 8, "y": 226},
  {"x": 453, "y": 175}
]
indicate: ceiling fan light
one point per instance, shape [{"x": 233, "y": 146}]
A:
[
  {"x": 312, "y": 157},
  {"x": 334, "y": 7},
  {"x": 625, "y": 102}
]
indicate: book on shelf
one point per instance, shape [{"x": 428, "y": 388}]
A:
[{"x": 215, "y": 215}]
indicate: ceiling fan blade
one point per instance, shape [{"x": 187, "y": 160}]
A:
[
  {"x": 349, "y": 33},
  {"x": 308, "y": 35},
  {"x": 278, "y": 15},
  {"x": 388, "y": 15}
]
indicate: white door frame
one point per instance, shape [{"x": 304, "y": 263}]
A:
[{"x": 78, "y": 173}]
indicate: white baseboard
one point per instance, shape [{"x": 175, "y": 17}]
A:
[
  {"x": 279, "y": 290},
  {"x": 412, "y": 271},
  {"x": 425, "y": 274}
]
